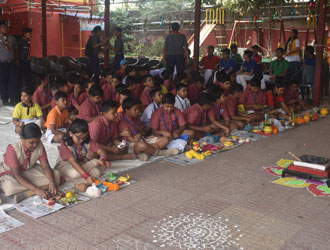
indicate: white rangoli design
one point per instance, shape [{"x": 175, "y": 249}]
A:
[{"x": 191, "y": 231}]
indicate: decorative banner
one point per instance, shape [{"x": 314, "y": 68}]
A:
[{"x": 87, "y": 25}]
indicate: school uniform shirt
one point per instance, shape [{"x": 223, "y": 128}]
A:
[
  {"x": 53, "y": 101},
  {"x": 210, "y": 62},
  {"x": 231, "y": 105},
  {"x": 139, "y": 89},
  {"x": 145, "y": 97},
  {"x": 169, "y": 122},
  {"x": 169, "y": 84},
  {"x": 273, "y": 100},
  {"x": 103, "y": 131},
  {"x": 89, "y": 109},
  {"x": 83, "y": 96},
  {"x": 193, "y": 93},
  {"x": 24, "y": 112},
  {"x": 121, "y": 72},
  {"x": 78, "y": 152},
  {"x": 73, "y": 101},
  {"x": 133, "y": 125},
  {"x": 109, "y": 92},
  {"x": 42, "y": 96},
  {"x": 55, "y": 116},
  {"x": 250, "y": 98},
  {"x": 182, "y": 104},
  {"x": 227, "y": 64},
  {"x": 146, "y": 116},
  {"x": 290, "y": 95},
  {"x": 249, "y": 66},
  {"x": 195, "y": 115},
  {"x": 278, "y": 67},
  {"x": 103, "y": 81},
  {"x": 218, "y": 112}
]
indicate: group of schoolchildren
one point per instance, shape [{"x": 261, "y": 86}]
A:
[{"x": 91, "y": 118}]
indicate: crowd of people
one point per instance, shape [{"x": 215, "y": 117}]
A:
[{"x": 91, "y": 116}]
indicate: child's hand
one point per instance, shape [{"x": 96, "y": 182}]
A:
[
  {"x": 42, "y": 193},
  {"x": 207, "y": 129},
  {"x": 90, "y": 180},
  {"x": 227, "y": 131},
  {"x": 21, "y": 124},
  {"x": 248, "y": 119},
  {"x": 104, "y": 164},
  {"x": 53, "y": 189},
  {"x": 176, "y": 135},
  {"x": 167, "y": 134}
]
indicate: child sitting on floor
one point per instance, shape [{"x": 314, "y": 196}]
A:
[
  {"x": 223, "y": 81},
  {"x": 149, "y": 84},
  {"x": 196, "y": 116},
  {"x": 78, "y": 154},
  {"x": 232, "y": 100},
  {"x": 90, "y": 108},
  {"x": 104, "y": 131},
  {"x": 109, "y": 89},
  {"x": 123, "y": 94},
  {"x": 181, "y": 100},
  {"x": 60, "y": 85},
  {"x": 43, "y": 95},
  {"x": 167, "y": 76},
  {"x": 130, "y": 71},
  {"x": 131, "y": 128},
  {"x": 58, "y": 119},
  {"x": 73, "y": 99},
  {"x": 195, "y": 88},
  {"x": 253, "y": 98},
  {"x": 218, "y": 111},
  {"x": 27, "y": 111},
  {"x": 131, "y": 83},
  {"x": 291, "y": 97},
  {"x": 275, "y": 98},
  {"x": 168, "y": 120},
  {"x": 87, "y": 86},
  {"x": 20, "y": 170},
  {"x": 156, "y": 96}
]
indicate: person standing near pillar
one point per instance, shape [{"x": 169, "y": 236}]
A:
[
  {"x": 24, "y": 48},
  {"x": 8, "y": 66},
  {"x": 118, "y": 48},
  {"x": 176, "y": 50}
]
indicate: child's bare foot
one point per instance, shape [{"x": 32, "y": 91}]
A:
[{"x": 129, "y": 156}]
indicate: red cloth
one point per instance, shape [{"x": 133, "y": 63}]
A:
[
  {"x": 217, "y": 112},
  {"x": 121, "y": 72},
  {"x": 172, "y": 121},
  {"x": 11, "y": 159},
  {"x": 53, "y": 101},
  {"x": 103, "y": 131},
  {"x": 42, "y": 96},
  {"x": 72, "y": 101},
  {"x": 66, "y": 153},
  {"x": 169, "y": 84},
  {"x": 250, "y": 98},
  {"x": 257, "y": 58},
  {"x": 193, "y": 93},
  {"x": 210, "y": 62},
  {"x": 137, "y": 93},
  {"x": 290, "y": 95},
  {"x": 109, "y": 92},
  {"x": 231, "y": 105},
  {"x": 133, "y": 125},
  {"x": 83, "y": 96},
  {"x": 145, "y": 98},
  {"x": 273, "y": 100},
  {"x": 88, "y": 109},
  {"x": 195, "y": 115}
]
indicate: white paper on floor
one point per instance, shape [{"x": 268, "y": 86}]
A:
[{"x": 7, "y": 222}]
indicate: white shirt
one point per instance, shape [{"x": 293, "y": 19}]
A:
[
  {"x": 294, "y": 58},
  {"x": 124, "y": 80},
  {"x": 146, "y": 116},
  {"x": 181, "y": 104}
]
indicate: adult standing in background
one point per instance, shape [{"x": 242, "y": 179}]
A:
[
  {"x": 24, "y": 48},
  {"x": 118, "y": 48},
  {"x": 292, "y": 50},
  {"x": 176, "y": 50},
  {"x": 8, "y": 66}
]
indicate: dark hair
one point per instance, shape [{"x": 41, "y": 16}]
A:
[
  {"x": 293, "y": 82},
  {"x": 158, "y": 81},
  {"x": 256, "y": 47},
  {"x": 60, "y": 94},
  {"x": 60, "y": 83},
  {"x": 233, "y": 46},
  {"x": 143, "y": 68},
  {"x": 41, "y": 77},
  {"x": 222, "y": 76},
  {"x": 180, "y": 86},
  {"x": 77, "y": 126},
  {"x": 117, "y": 76},
  {"x": 310, "y": 50},
  {"x": 179, "y": 77},
  {"x": 31, "y": 130},
  {"x": 291, "y": 39},
  {"x": 97, "y": 29},
  {"x": 125, "y": 92},
  {"x": 166, "y": 74},
  {"x": 118, "y": 29},
  {"x": 215, "y": 91},
  {"x": 280, "y": 49},
  {"x": 108, "y": 105},
  {"x": 205, "y": 99},
  {"x": 108, "y": 72},
  {"x": 120, "y": 88},
  {"x": 175, "y": 26},
  {"x": 27, "y": 90},
  {"x": 129, "y": 102},
  {"x": 197, "y": 78},
  {"x": 26, "y": 30},
  {"x": 226, "y": 51},
  {"x": 248, "y": 53},
  {"x": 145, "y": 77},
  {"x": 129, "y": 69},
  {"x": 236, "y": 88},
  {"x": 153, "y": 92},
  {"x": 77, "y": 83},
  {"x": 168, "y": 98},
  {"x": 211, "y": 46},
  {"x": 280, "y": 82},
  {"x": 130, "y": 80},
  {"x": 95, "y": 90},
  {"x": 255, "y": 82}
]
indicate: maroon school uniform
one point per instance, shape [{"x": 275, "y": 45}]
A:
[
  {"x": 250, "y": 98},
  {"x": 109, "y": 92},
  {"x": 290, "y": 95},
  {"x": 103, "y": 131},
  {"x": 133, "y": 125},
  {"x": 231, "y": 105},
  {"x": 139, "y": 89},
  {"x": 145, "y": 98},
  {"x": 218, "y": 112},
  {"x": 193, "y": 93},
  {"x": 121, "y": 72},
  {"x": 195, "y": 115},
  {"x": 169, "y": 122},
  {"x": 73, "y": 101},
  {"x": 169, "y": 84},
  {"x": 83, "y": 96},
  {"x": 88, "y": 109},
  {"x": 42, "y": 96}
]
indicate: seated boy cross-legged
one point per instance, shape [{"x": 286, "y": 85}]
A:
[
  {"x": 104, "y": 131},
  {"x": 90, "y": 108},
  {"x": 181, "y": 100},
  {"x": 131, "y": 128},
  {"x": 168, "y": 121},
  {"x": 156, "y": 95},
  {"x": 196, "y": 116}
]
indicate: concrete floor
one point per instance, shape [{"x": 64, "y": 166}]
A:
[{"x": 226, "y": 202}]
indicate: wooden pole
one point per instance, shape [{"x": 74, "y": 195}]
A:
[
  {"x": 319, "y": 50},
  {"x": 44, "y": 28},
  {"x": 106, "y": 30},
  {"x": 197, "y": 32}
]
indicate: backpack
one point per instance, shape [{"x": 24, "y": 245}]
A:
[{"x": 89, "y": 48}]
